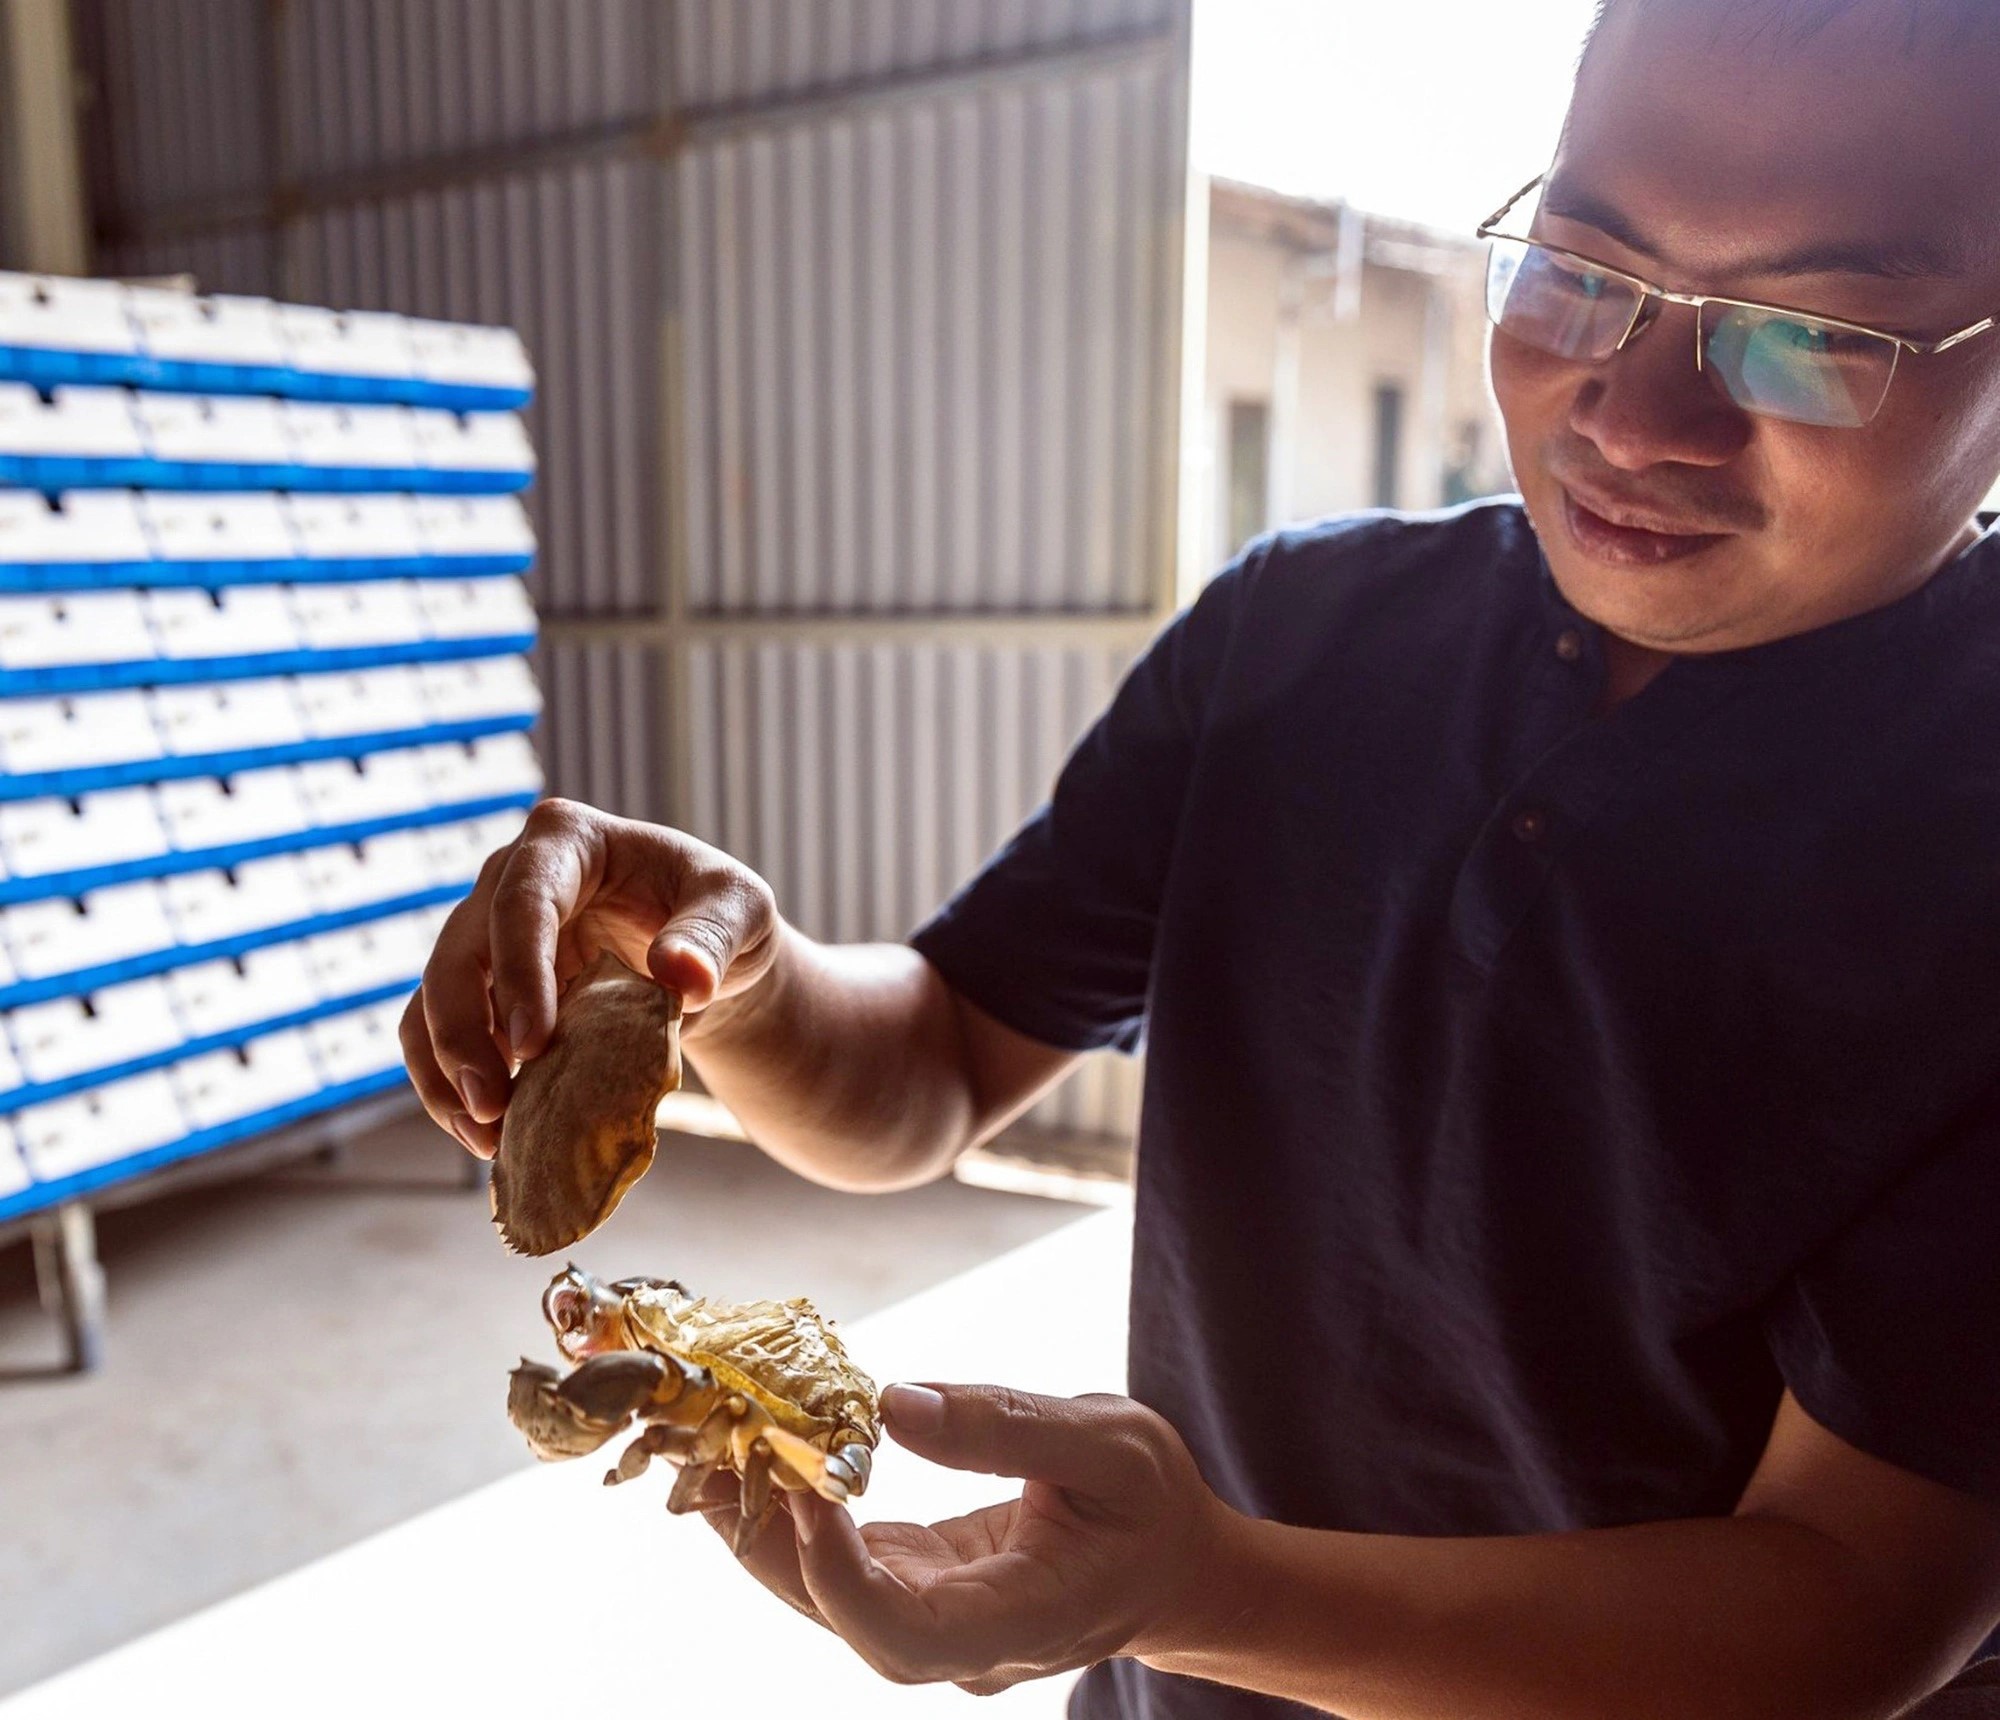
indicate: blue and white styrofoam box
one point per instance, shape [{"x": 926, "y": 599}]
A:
[
  {"x": 85, "y": 537},
  {"x": 362, "y": 702},
  {"x": 483, "y": 769},
  {"x": 113, "y": 825},
  {"x": 475, "y": 451},
  {"x": 252, "y": 896},
  {"x": 260, "y": 1075},
  {"x": 223, "y": 996},
  {"x": 76, "y": 733},
  {"x": 456, "y": 851},
  {"x": 470, "y": 368},
  {"x": 233, "y": 527},
  {"x": 342, "y": 791},
  {"x": 214, "y": 344},
  {"x": 215, "y": 441},
  {"x": 475, "y": 608},
  {"x": 479, "y": 689},
  {"x": 218, "y": 812},
  {"x": 352, "y": 447},
  {"x": 337, "y": 615},
  {"x": 404, "y": 862},
  {"x": 492, "y": 531},
  {"x": 62, "y": 935},
  {"x": 116, "y": 1024},
  {"x": 346, "y": 355},
  {"x": 100, "y": 1126},
  {"x": 357, "y": 1043},
  {"x": 367, "y": 957},
  {"x": 54, "y": 329},
  {"x": 344, "y": 876},
  {"x": 45, "y": 630},
  {"x": 496, "y": 829},
  {"x": 81, "y": 438},
  {"x": 14, "y": 1174},
  {"x": 369, "y": 530},
  {"x": 197, "y": 718},
  {"x": 236, "y": 621}
]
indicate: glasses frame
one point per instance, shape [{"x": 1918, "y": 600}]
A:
[{"x": 1643, "y": 312}]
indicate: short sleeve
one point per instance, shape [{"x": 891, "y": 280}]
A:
[
  {"x": 1890, "y": 1336},
  {"x": 1054, "y": 935}
]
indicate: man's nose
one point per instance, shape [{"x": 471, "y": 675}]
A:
[{"x": 1648, "y": 402}]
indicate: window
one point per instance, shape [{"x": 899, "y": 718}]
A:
[
  {"x": 1249, "y": 474},
  {"x": 1388, "y": 443}
]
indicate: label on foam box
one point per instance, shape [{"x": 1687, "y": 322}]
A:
[
  {"x": 195, "y": 328},
  {"x": 89, "y": 526},
  {"x": 101, "y": 1126},
  {"x": 76, "y": 732},
  {"x": 246, "y": 526},
  {"x": 40, "y": 632},
  {"x": 85, "y": 423},
  {"x": 67, "y": 935},
  {"x": 355, "y": 528},
  {"x": 199, "y": 717},
  {"x": 59, "y": 313}
]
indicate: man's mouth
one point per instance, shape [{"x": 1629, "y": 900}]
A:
[{"x": 1628, "y": 538}]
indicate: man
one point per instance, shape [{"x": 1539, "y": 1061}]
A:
[{"x": 1567, "y": 938}]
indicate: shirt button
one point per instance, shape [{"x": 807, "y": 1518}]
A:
[
  {"x": 1569, "y": 644},
  {"x": 1529, "y": 826}
]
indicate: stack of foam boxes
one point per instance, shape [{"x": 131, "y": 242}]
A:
[{"x": 263, "y": 706}]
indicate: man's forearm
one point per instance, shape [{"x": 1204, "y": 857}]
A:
[
  {"x": 1710, "y": 1619},
  {"x": 843, "y": 1063}
]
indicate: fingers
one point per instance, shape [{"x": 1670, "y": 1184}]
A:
[
  {"x": 440, "y": 1098},
  {"x": 875, "y": 1614},
  {"x": 545, "y": 876},
  {"x": 1085, "y": 1443},
  {"x": 457, "y": 1010},
  {"x": 772, "y": 1556}
]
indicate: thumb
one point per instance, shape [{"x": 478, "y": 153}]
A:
[
  {"x": 720, "y": 911},
  {"x": 993, "y": 1430}
]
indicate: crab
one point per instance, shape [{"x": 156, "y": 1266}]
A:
[
  {"x": 764, "y": 1390},
  {"x": 579, "y": 1130}
]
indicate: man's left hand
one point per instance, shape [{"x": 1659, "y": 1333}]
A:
[{"x": 1103, "y": 1553}]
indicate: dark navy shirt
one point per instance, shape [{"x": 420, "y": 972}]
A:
[{"x": 1531, "y": 1095}]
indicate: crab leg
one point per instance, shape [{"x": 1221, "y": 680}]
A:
[
  {"x": 661, "y": 1439},
  {"x": 710, "y": 1446},
  {"x": 755, "y": 1505}
]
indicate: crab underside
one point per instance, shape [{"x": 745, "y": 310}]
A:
[{"x": 709, "y": 1416}]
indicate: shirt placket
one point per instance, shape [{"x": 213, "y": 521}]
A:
[{"x": 1536, "y": 825}]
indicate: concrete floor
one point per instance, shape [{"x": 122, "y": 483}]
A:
[{"x": 301, "y": 1358}]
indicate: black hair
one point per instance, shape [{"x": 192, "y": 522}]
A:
[{"x": 1917, "y": 26}]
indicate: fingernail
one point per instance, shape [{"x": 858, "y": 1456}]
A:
[
  {"x": 517, "y": 1031},
  {"x": 804, "y": 1517},
  {"x": 479, "y": 1096},
  {"x": 461, "y": 1126},
  {"x": 917, "y": 1408}
]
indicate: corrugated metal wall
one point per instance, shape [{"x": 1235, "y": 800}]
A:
[{"x": 857, "y": 324}]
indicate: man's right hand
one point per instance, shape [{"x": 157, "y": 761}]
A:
[{"x": 574, "y": 882}]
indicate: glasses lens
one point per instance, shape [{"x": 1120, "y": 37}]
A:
[
  {"x": 1556, "y": 305},
  {"x": 1793, "y": 367}
]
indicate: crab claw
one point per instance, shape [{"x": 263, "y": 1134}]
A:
[
  {"x": 574, "y": 1416},
  {"x": 583, "y": 1312}
]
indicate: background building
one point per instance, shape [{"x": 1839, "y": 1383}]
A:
[{"x": 1344, "y": 368}]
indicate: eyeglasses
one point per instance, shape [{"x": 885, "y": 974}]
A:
[{"x": 1773, "y": 361}]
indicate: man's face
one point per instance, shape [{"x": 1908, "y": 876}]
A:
[{"x": 1709, "y": 163}]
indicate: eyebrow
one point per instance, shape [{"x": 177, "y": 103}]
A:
[{"x": 1905, "y": 259}]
